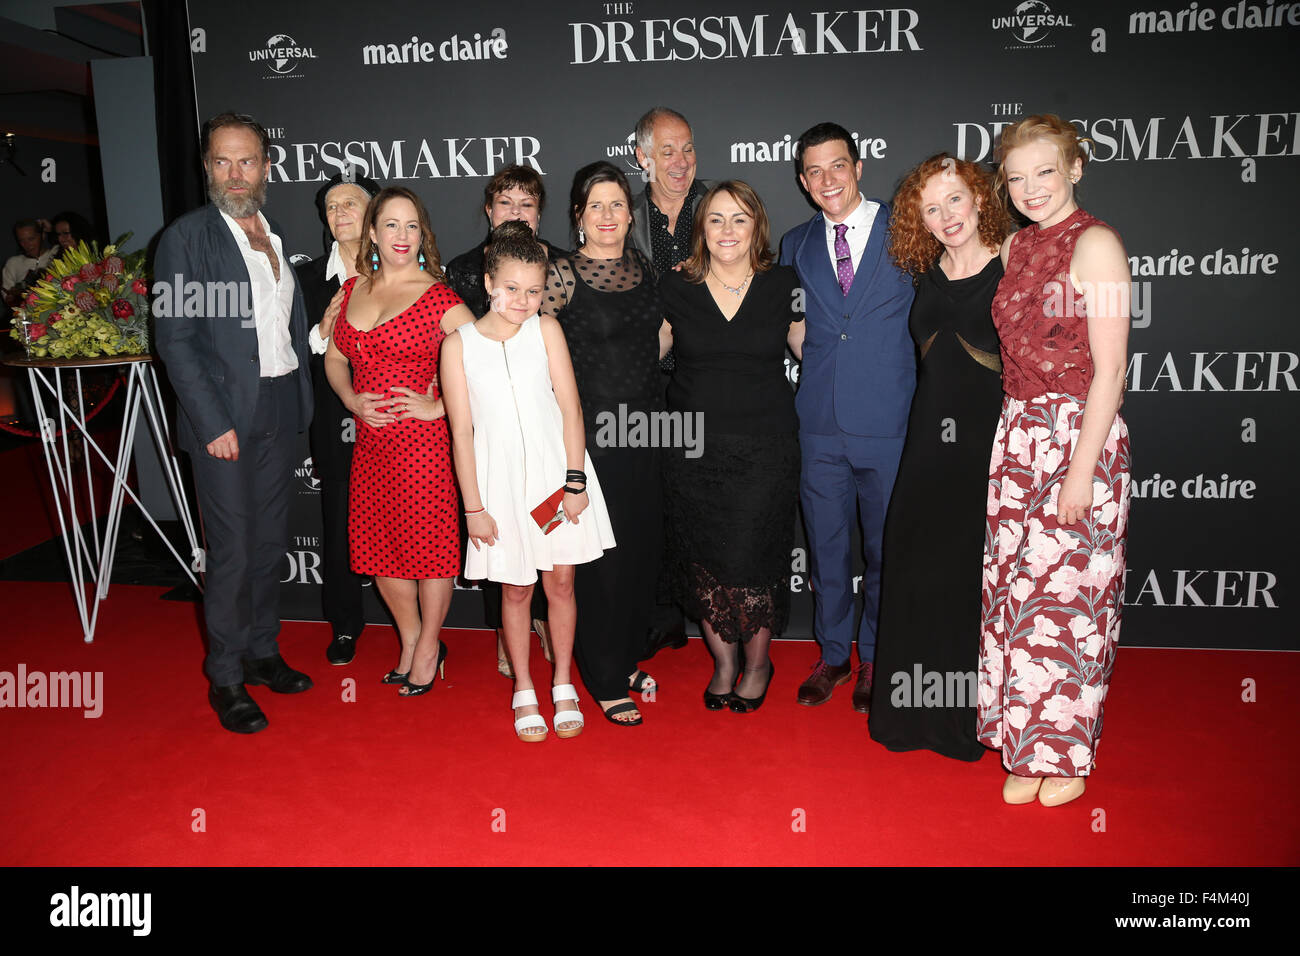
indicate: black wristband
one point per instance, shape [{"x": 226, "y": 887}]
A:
[{"x": 570, "y": 490}]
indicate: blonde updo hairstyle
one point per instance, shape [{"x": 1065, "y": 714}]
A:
[{"x": 1060, "y": 133}]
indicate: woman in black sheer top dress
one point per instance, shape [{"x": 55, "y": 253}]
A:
[
  {"x": 606, "y": 299},
  {"x": 946, "y": 231}
]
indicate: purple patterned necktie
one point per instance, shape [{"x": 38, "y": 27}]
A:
[{"x": 843, "y": 258}]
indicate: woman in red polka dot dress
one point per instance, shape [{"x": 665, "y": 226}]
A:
[{"x": 402, "y": 524}]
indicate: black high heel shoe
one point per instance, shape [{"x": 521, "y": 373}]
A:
[
  {"x": 717, "y": 701},
  {"x": 746, "y": 705},
  {"x": 714, "y": 701},
  {"x": 415, "y": 690}
]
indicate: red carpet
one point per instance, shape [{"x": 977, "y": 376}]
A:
[{"x": 1188, "y": 773}]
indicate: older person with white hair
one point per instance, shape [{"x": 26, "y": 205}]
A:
[
  {"x": 663, "y": 212},
  {"x": 342, "y": 203}
]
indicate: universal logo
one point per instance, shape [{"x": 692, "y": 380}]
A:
[
  {"x": 282, "y": 55},
  {"x": 627, "y": 150},
  {"x": 306, "y": 473},
  {"x": 1031, "y": 24}
]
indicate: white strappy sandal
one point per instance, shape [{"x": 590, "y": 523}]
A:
[
  {"x": 528, "y": 698},
  {"x": 567, "y": 692}
]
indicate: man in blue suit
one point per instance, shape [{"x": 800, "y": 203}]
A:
[
  {"x": 232, "y": 330},
  {"x": 855, "y": 390}
]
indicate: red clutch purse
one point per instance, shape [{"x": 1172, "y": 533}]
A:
[{"x": 548, "y": 514}]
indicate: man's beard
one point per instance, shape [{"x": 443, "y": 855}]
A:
[{"x": 238, "y": 206}]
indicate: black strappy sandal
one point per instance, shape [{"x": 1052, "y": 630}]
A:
[
  {"x": 622, "y": 709},
  {"x": 640, "y": 682}
]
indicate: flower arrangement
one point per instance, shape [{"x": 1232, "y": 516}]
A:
[{"x": 88, "y": 304}]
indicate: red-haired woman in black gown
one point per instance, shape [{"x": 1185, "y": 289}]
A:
[{"x": 947, "y": 228}]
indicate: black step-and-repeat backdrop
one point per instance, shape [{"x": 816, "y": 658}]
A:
[{"x": 1192, "y": 110}]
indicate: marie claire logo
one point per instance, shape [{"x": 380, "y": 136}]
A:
[
  {"x": 306, "y": 473},
  {"x": 782, "y": 150},
  {"x": 1031, "y": 24},
  {"x": 1242, "y": 16},
  {"x": 282, "y": 54},
  {"x": 626, "y": 150},
  {"x": 1220, "y": 262},
  {"x": 730, "y": 37},
  {"x": 1198, "y": 486},
  {"x": 454, "y": 49}
]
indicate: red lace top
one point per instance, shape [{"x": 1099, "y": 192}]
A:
[{"x": 1042, "y": 323}]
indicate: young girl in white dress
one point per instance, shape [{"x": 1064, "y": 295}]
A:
[{"x": 517, "y": 440}]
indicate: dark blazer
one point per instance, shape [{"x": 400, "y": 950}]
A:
[
  {"x": 639, "y": 235},
  {"x": 859, "y": 363},
  {"x": 331, "y": 456},
  {"x": 212, "y": 359}
]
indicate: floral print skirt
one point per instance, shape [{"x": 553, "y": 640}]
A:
[{"x": 1052, "y": 593}]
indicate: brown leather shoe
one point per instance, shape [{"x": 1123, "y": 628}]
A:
[
  {"x": 821, "y": 683},
  {"x": 862, "y": 690}
]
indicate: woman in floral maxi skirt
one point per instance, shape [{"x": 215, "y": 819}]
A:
[{"x": 1059, "y": 475}]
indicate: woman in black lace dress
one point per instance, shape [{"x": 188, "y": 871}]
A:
[
  {"x": 731, "y": 499},
  {"x": 605, "y": 297}
]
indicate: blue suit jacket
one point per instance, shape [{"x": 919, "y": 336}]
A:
[
  {"x": 859, "y": 363},
  {"x": 212, "y": 359}
]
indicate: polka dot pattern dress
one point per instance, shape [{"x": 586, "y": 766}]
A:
[{"x": 402, "y": 519}]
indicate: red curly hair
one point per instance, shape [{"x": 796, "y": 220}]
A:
[{"x": 912, "y": 246}]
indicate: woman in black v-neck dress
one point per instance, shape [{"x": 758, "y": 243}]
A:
[
  {"x": 947, "y": 221},
  {"x": 730, "y": 496}
]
